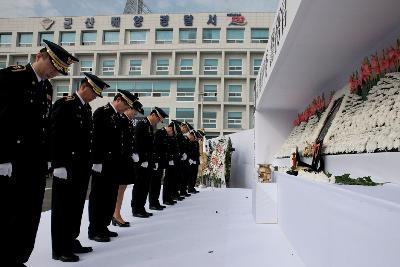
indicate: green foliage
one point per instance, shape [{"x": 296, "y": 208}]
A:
[
  {"x": 228, "y": 162},
  {"x": 346, "y": 179}
]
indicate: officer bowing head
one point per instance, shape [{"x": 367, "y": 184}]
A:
[
  {"x": 192, "y": 135},
  {"x": 91, "y": 87},
  {"x": 52, "y": 61},
  {"x": 186, "y": 127},
  {"x": 157, "y": 115},
  {"x": 201, "y": 132},
  {"x": 124, "y": 100},
  {"x": 175, "y": 125}
]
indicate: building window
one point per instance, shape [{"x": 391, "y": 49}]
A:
[
  {"x": 187, "y": 36},
  {"x": 256, "y": 65},
  {"x": 135, "y": 67},
  {"x": 108, "y": 67},
  {"x": 67, "y": 38},
  {"x": 211, "y": 35},
  {"x": 259, "y": 35},
  {"x": 86, "y": 66},
  {"x": 137, "y": 37},
  {"x": 235, "y": 93},
  {"x": 235, "y": 66},
  {"x": 25, "y": 39},
  {"x": 161, "y": 88},
  {"x": 162, "y": 67},
  {"x": 210, "y": 119},
  {"x": 186, "y": 66},
  {"x": 89, "y": 38},
  {"x": 185, "y": 114},
  {"x": 210, "y": 92},
  {"x": 235, "y": 120},
  {"x": 22, "y": 63},
  {"x": 3, "y": 64},
  {"x": 111, "y": 37},
  {"x": 5, "y": 39},
  {"x": 164, "y": 36},
  {"x": 61, "y": 91},
  {"x": 210, "y": 66},
  {"x": 234, "y": 35},
  {"x": 147, "y": 88},
  {"x": 49, "y": 36},
  {"x": 185, "y": 90}
]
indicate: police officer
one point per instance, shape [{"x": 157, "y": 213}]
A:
[
  {"x": 163, "y": 156},
  {"x": 194, "y": 160},
  {"x": 185, "y": 146},
  {"x": 144, "y": 137},
  {"x": 107, "y": 164},
  {"x": 25, "y": 105},
  {"x": 130, "y": 158},
  {"x": 72, "y": 165},
  {"x": 171, "y": 179}
]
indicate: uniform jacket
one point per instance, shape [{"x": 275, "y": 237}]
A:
[
  {"x": 164, "y": 150},
  {"x": 128, "y": 138},
  {"x": 144, "y": 137},
  {"x": 25, "y": 106},
  {"x": 107, "y": 136},
  {"x": 70, "y": 132}
]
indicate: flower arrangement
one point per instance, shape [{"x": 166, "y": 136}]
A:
[
  {"x": 317, "y": 107},
  {"x": 217, "y": 170},
  {"x": 373, "y": 69}
]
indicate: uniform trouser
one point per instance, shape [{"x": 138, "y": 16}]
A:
[
  {"x": 24, "y": 193},
  {"x": 155, "y": 187},
  {"x": 169, "y": 184},
  {"x": 193, "y": 170},
  {"x": 68, "y": 200},
  {"x": 102, "y": 199},
  {"x": 141, "y": 189},
  {"x": 184, "y": 177}
]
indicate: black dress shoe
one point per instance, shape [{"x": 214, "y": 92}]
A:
[
  {"x": 155, "y": 208},
  {"x": 140, "y": 215},
  {"x": 162, "y": 206},
  {"x": 115, "y": 222},
  {"x": 187, "y": 195},
  {"x": 69, "y": 257},
  {"x": 170, "y": 203},
  {"x": 78, "y": 248},
  {"x": 148, "y": 213},
  {"x": 111, "y": 233},
  {"x": 100, "y": 238},
  {"x": 180, "y": 198},
  {"x": 194, "y": 191}
]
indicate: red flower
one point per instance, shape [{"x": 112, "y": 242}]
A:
[
  {"x": 365, "y": 70},
  {"x": 384, "y": 63},
  {"x": 375, "y": 64}
]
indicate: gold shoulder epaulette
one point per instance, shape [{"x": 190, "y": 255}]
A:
[{"x": 15, "y": 68}]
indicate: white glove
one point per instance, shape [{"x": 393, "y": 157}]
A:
[
  {"x": 97, "y": 167},
  {"x": 135, "y": 157},
  {"x": 190, "y": 161},
  {"x": 48, "y": 165},
  {"x": 171, "y": 163},
  {"x": 194, "y": 162},
  {"x": 155, "y": 166},
  {"x": 60, "y": 173},
  {"x": 144, "y": 164},
  {"x": 184, "y": 156},
  {"x": 6, "y": 169}
]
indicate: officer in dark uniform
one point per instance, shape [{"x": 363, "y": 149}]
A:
[
  {"x": 107, "y": 167},
  {"x": 71, "y": 163},
  {"x": 25, "y": 105},
  {"x": 163, "y": 156},
  {"x": 130, "y": 159},
  {"x": 170, "y": 178},
  {"x": 194, "y": 160},
  {"x": 184, "y": 143},
  {"x": 144, "y": 137}
]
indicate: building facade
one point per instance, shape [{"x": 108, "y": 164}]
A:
[{"x": 200, "y": 67}]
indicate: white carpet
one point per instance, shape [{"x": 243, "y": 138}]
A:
[{"x": 212, "y": 228}]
